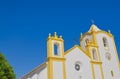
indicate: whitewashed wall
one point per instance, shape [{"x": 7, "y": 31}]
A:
[
  {"x": 57, "y": 70},
  {"x": 113, "y": 63},
  {"x": 40, "y": 74},
  {"x": 98, "y": 73},
  {"x": 74, "y": 56}
]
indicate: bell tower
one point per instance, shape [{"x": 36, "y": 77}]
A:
[
  {"x": 92, "y": 48},
  {"x": 55, "y": 57},
  {"x": 90, "y": 44},
  {"x": 100, "y": 47}
]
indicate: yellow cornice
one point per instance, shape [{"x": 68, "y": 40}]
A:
[
  {"x": 91, "y": 44},
  {"x": 96, "y": 32},
  {"x": 76, "y": 46},
  {"x": 56, "y": 58},
  {"x": 55, "y": 37},
  {"x": 96, "y": 62}
]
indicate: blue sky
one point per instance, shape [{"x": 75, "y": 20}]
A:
[{"x": 25, "y": 24}]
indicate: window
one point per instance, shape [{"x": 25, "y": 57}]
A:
[
  {"x": 108, "y": 56},
  {"x": 78, "y": 66},
  {"x": 94, "y": 54},
  {"x": 86, "y": 41},
  {"x": 105, "y": 42},
  {"x": 55, "y": 49},
  {"x": 112, "y": 74}
]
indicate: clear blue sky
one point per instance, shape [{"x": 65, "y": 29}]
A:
[{"x": 25, "y": 24}]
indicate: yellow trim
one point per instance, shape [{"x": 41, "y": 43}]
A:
[
  {"x": 109, "y": 34},
  {"x": 99, "y": 53},
  {"x": 101, "y": 69},
  {"x": 93, "y": 73},
  {"x": 99, "y": 59},
  {"x": 94, "y": 45},
  {"x": 116, "y": 53},
  {"x": 49, "y": 48},
  {"x": 55, "y": 37},
  {"x": 76, "y": 46},
  {"x": 95, "y": 62},
  {"x": 68, "y": 51},
  {"x": 104, "y": 32},
  {"x": 50, "y": 70},
  {"x": 94, "y": 38},
  {"x": 64, "y": 70},
  {"x": 56, "y": 58},
  {"x": 51, "y": 57},
  {"x": 88, "y": 51},
  {"x": 63, "y": 49}
]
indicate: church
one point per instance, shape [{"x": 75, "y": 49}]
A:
[{"x": 95, "y": 58}]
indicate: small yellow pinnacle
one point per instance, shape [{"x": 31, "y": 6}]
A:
[
  {"x": 109, "y": 31},
  {"x": 60, "y": 36},
  {"x": 49, "y": 35},
  {"x": 81, "y": 34},
  {"x": 55, "y": 34}
]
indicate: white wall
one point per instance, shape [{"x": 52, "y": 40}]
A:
[
  {"x": 74, "y": 56},
  {"x": 40, "y": 74},
  {"x": 113, "y": 63},
  {"x": 57, "y": 70},
  {"x": 98, "y": 73}
]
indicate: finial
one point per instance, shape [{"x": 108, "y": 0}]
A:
[
  {"x": 92, "y": 21},
  {"x": 49, "y": 35},
  {"x": 55, "y": 34},
  {"x": 81, "y": 34},
  {"x": 109, "y": 31},
  {"x": 92, "y": 28},
  {"x": 60, "y": 36}
]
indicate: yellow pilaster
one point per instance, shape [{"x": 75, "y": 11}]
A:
[{"x": 51, "y": 57}]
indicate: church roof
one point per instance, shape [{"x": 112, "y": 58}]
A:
[
  {"x": 94, "y": 28},
  {"x": 40, "y": 67}
]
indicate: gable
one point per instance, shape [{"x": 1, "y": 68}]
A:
[
  {"x": 76, "y": 47},
  {"x": 77, "y": 56}
]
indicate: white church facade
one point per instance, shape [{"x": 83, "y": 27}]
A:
[{"x": 95, "y": 58}]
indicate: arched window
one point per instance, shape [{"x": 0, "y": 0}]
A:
[
  {"x": 94, "y": 54},
  {"x": 105, "y": 42},
  {"x": 112, "y": 74},
  {"x": 56, "y": 52},
  {"x": 87, "y": 40}
]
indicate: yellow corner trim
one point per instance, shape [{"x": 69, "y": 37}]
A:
[{"x": 76, "y": 46}]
